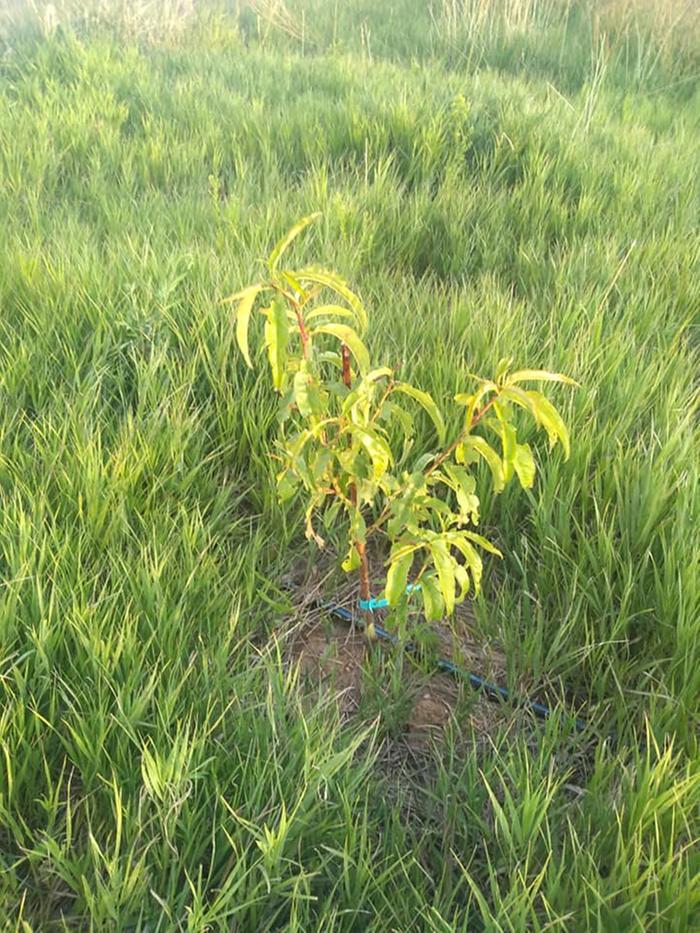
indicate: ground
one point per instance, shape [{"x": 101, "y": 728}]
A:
[{"x": 496, "y": 180}]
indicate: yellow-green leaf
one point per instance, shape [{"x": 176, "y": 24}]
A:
[
  {"x": 377, "y": 448},
  {"x": 427, "y": 402},
  {"x": 484, "y": 449},
  {"x": 482, "y": 542},
  {"x": 550, "y": 419},
  {"x": 432, "y": 600},
  {"x": 340, "y": 287},
  {"x": 236, "y": 296},
  {"x": 276, "y": 336},
  {"x": 473, "y": 560},
  {"x": 348, "y": 336},
  {"x": 352, "y": 561},
  {"x": 445, "y": 571},
  {"x": 305, "y": 393},
  {"x": 464, "y": 486},
  {"x": 289, "y": 236},
  {"x": 247, "y": 296},
  {"x": 397, "y": 578},
  {"x": 462, "y": 578},
  {"x": 540, "y": 375},
  {"x": 524, "y": 464},
  {"x": 330, "y": 311}
]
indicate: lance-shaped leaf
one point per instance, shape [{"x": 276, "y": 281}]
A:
[
  {"x": 311, "y": 534},
  {"x": 287, "y": 485},
  {"x": 340, "y": 287},
  {"x": 276, "y": 336},
  {"x": 306, "y": 393},
  {"x": 348, "y": 336},
  {"x": 397, "y": 578},
  {"x": 508, "y": 441},
  {"x": 473, "y": 444},
  {"x": 481, "y": 541},
  {"x": 289, "y": 236},
  {"x": 524, "y": 464},
  {"x": 462, "y": 578},
  {"x": 377, "y": 448},
  {"x": 427, "y": 402},
  {"x": 539, "y": 375},
  {"x": 464, "y": 485},
  {"x": 247, "y": 300},
  {"x": 471, "y": 557},
  {"x": 433, "y": 603},
  {"x": 550, "y": 419},
  {"x": 364, "y": 389},
  {"x": 444, "y": 565},
  {"x": 330, "y": 311},
  {"x": 352, "y": 560}
]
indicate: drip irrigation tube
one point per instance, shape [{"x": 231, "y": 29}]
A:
[{"x": 492, "y": 691}]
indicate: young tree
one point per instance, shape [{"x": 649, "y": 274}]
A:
[{"x": 346, "y": 432}]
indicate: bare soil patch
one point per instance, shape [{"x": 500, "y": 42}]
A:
[{"x": 335, "y": 656}]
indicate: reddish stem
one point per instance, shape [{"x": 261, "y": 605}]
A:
[
  {"x": 365, "y": 592},
  {"x": 347, "y": 372},
  {"x": 455, "y": 444},
  {"x": 303, "y": 333}
]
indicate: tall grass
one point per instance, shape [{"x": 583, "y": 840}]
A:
[{"x": 159, "y": 768}]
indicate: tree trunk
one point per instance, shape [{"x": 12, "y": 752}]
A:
[{"x": 365, "y": 592}]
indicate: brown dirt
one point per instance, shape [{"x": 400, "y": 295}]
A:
[{"x": 335, "y": 656}]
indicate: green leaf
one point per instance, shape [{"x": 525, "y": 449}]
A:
[
  {"x": 320, "y": 462},
  {"x": 462, "y": 578},
  {"x": 352, "y": 561},
  {"x": 348, "y": 336},
  {"x": 482, "y": 542},
  {"x": 524, "y": 464},
  {"x": 473, "y": 560},
  {"x": 484, "y": 449},
  {"x": 289, "y": 236},
  {"x": 432, "y": 599},
  {"x": 286, "y": 486},
  {"x": 551, "y": 421},
  {"x": 295, "y": 285},
  {"x": 469, "y": 401},
  {"x": 276, "y": 336},
  {"x": 397, "y": 578},
  {"x": 248, "y": 296},
  {"x": 508, "y": 441},
  {"x": 444, "y": 565},
  {"x": 381, "y": 372},
  {"x": 358, "y": 528},
  {"x": 540, "y": 375},
  {"x": 377, "y": 448},
  {"x": 236, "y": 296},
  {"x": 519, "y": 397},
  {"x": 464, "y": 486},
  {"x": 502, "y": 368},
  {"x": 306, "y": 394},
  {"x": 340, "y": 287},
  {"x": 311, "y": 534},
  {"x": 364, "y": 390},
  {"x": 427, "y": 402},
  {"x": 330, "y": 311}
]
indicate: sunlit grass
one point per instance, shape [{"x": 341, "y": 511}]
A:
[{"x": 157, "y": 766}]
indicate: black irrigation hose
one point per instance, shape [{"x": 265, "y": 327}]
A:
[{"x": 492, "y": 691}]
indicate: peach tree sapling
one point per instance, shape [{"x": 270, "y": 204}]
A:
[{"x": 346, "y": 430}]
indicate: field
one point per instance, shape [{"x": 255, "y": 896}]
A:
[{"x": 495, "y": 179}]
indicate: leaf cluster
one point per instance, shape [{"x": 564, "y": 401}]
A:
[{"x": 346, "y": 432}]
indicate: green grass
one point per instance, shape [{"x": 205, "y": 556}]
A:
[{"x": 490, "y": 192}]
